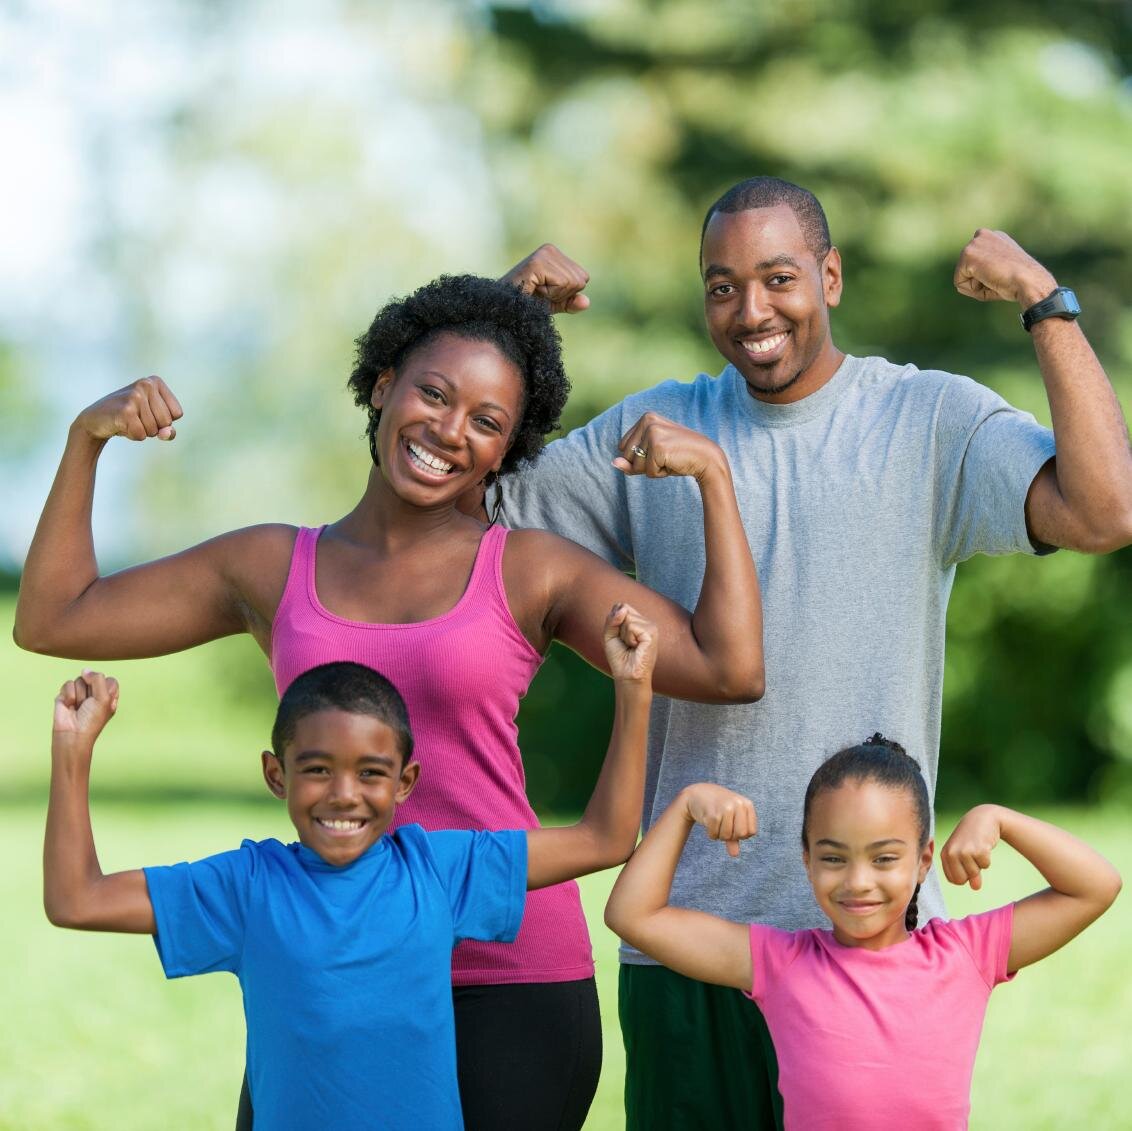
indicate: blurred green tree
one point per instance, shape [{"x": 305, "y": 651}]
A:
[{"x": 914, "y": 124}]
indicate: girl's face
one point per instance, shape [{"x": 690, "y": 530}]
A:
[
  {"x": 447, "y": 418},
  {"x": 864, "y": 861}
]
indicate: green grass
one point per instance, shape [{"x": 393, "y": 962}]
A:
[{"x": 94, "y": 1038}]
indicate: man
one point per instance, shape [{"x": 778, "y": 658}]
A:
[{"x": 861, "y": 485}]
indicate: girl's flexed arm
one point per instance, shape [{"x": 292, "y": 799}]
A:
[
  {"x": 1082, "y": 883},
  {"x": 75, "y": 892},
  {"x": 692, "y": 943}
]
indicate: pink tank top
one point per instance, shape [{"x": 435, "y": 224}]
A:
[{"x": 462, "y": 675}]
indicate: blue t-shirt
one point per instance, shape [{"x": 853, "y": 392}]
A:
[{"x": 345, "y": 971}]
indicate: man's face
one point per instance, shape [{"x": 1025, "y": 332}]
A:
[{"x": 767, "y": 299}]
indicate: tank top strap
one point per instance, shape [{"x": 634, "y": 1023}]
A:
[
  {"x": 300, "y": 577},
  {"x": 487, "y": 572}
]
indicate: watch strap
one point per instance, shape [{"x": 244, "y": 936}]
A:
[{"x": 1061, "y": 303}]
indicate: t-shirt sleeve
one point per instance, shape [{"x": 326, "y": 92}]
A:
[
  {"x": 989, "y": 453},
  {"x": 772, "y": 950},
  {"x": 573, "y": 490},
  {"x": 987, "y": 938},
  {"x": 200, "y": 910},
  {"x": 485, "y": 874}
]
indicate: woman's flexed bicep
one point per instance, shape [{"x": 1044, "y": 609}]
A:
[{"x": 566, "y": 590}]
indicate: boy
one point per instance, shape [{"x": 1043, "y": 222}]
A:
[{"x": 342, "y": 942}]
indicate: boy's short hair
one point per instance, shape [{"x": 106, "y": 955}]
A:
[{"x": 342, "y": 686}]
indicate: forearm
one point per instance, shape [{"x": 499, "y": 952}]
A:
[
  {"x": 1094, "y": 460},
  {"x": 608, "y": 829},
  {"x": 70, "y": 861},
  {"x": 727, "y": 620},
  {"x": 1070, "y": 867},
  {"x": 61, "y": 562}
]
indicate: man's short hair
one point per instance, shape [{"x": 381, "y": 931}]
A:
[
  {"x": 342, "y": 686},
  {"x": 769, "y": 192}
]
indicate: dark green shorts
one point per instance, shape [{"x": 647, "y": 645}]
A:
[{"x": 695, "y": 1055}]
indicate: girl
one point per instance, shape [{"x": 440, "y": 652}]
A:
[
  {"x": 460, "y": 381},
  {"x": 875, "y": 1023}
]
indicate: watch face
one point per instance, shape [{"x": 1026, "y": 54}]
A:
[{"x": 1069, "y": 302}]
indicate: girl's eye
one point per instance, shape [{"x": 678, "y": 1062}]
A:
[{"x": 831, "y": 860}]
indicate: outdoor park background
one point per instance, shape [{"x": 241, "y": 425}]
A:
[{"x": 225, "y": 193}]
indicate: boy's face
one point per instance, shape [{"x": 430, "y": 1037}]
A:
[{"x": 342, "y": 779}]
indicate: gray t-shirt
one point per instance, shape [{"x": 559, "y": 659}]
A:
[{"x": 857, "y": 501}]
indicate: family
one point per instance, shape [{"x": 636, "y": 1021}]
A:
[{"x": 853, "y": 484}]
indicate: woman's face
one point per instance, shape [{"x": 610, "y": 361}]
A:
[{"x": 447, "y": 418}]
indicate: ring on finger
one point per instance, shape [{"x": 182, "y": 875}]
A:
[{"x": 637, "y": 450}]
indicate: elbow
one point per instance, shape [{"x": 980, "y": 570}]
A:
[
  {"x": 614, "y": 919},
  {"x": 1107, "y": 532},
  {"x": 30, "y": 635},
  {"x": 750, "y": 687},
  {"x": 1112, "y": 888},
  {"x": 62, "y": 913}
]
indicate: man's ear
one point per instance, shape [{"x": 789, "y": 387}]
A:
[
  {"x": 381, "y": 387},
  {"x": 409, "y": 775},
  {"x": 831, "y": 277},
  {"x": 273, "y": 774}
]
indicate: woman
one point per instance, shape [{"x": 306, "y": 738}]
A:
[{"x": 461, "y": 380}]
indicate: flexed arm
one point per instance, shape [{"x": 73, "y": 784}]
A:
[
  {"x": 713, "y": 654},
  {"x": 1082, "y": 499},
  {"x": 692, "y": 943},
  {"x": 608, "y": 830},
  {"x": 66, "y": 608},
  {"x": 75, "y": 891},
  {"x": 1082, "y": 883}
]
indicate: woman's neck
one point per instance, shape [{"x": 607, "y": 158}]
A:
[{"x": 385, "y": 522}]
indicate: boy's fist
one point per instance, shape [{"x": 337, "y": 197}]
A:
[
  {"x": 85, "y": 705},
  {"x": 630, "y": 644}
]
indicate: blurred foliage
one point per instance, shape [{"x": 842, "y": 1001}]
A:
[
  {"x": 299, "y": 167},
  {"x": 914, "y": 124}
]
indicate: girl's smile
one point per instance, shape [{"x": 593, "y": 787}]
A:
[{"x": 864, "y": 860}]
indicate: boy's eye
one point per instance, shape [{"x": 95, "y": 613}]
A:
[{"x": 315, "y": 770}]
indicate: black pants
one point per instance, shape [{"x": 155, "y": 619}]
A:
[{"x": 527, "y": 1056}]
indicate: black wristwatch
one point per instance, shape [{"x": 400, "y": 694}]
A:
[{"x": 1061, "y": 304}]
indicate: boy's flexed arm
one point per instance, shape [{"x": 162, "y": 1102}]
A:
[
  {"x": 75, "y": 892},
  {"x": 1082, "y": 883},
  {"x": 608, "y": 830},
  {"x": 692, "y": 943}
]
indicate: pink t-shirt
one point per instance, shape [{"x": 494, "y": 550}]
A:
[
  {"x": 461, "y": 675},
  {"x": 879, "y": 1040}
]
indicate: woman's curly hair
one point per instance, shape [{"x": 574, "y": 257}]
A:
[{"x": 481, "y": 310}]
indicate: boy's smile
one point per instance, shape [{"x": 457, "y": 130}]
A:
[
  {"x": 342, "y": 778},
  {"x": 864, "y": 861}
]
